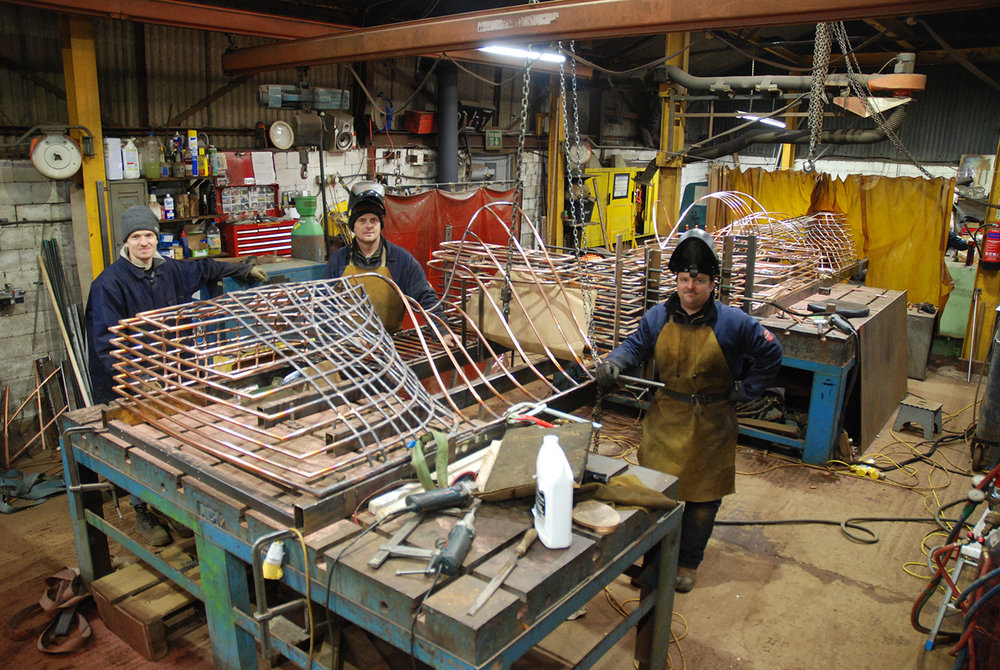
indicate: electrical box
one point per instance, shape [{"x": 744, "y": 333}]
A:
[{"x": 623, "y": 205}]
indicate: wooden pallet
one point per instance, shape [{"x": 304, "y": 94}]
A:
[{"x": 142, "y": 607}]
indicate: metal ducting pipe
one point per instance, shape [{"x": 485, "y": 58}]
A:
[
  {"x": 801, "y": 136},
  {"x": 447, "y": 79},
  {"x": 762, "y": 83}
]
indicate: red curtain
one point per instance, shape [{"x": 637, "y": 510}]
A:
[{"x": 417, "y": 222}]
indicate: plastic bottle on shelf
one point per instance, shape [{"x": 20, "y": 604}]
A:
[
  {"x": 168, "y": 207},
  {"x": 130, "y": 158},
  {"x": 151, "y": 157},
  {"x": 213, "y": 161},
  {"x": 155, "y": 205},
  {"x": 176, "y": 147},
  {"x": 164, "y": 165},
  {"x": 202, "y": 162},
  {"x": 192, "y": 157},
  {"x": 213, "y": 236}
]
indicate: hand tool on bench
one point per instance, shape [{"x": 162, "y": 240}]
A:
[
  {"x": 520, "y": 550},
  {"x": 447, "y": 557},
  {"x": 456, "y": 495}
]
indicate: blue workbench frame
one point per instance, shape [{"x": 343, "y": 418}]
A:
[
  {"x": 224, "y": 555},
  {"x": 827, "y": 399}
]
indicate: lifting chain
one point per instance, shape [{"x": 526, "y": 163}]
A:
[
  {"x": 574, "y": 179},
  {"x": 506, "y": 293},
  {"x": 817, "y": 91},
  {"x": 858, "y": 89}
]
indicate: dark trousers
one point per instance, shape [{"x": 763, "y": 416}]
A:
[{"x": 697, "y": 525}]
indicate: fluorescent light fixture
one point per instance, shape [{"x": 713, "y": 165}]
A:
[
  {"x": 523, "y": 54},
  {"x": 753, "y": 117}
]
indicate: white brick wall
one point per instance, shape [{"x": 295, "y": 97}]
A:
[{"x": 35, "y": 208}]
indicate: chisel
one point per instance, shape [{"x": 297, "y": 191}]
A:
[{"x": 519, "y": 551}]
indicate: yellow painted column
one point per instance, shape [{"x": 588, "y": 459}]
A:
[
  {"x": 987, "y": 287},
  {"x": 671, "y": 142},
  {"x": 788, "y": 150},
  {"x": 84, "y": 106},
  {"x": 556, "y": 167}
]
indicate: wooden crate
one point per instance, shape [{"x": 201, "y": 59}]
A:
[{"x": 141, "y": 606}]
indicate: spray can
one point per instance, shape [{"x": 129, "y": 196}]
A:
[
  {"x": 193, "y": 151},
  {"x": 553, "y": 510}
]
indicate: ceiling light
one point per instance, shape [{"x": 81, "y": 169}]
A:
[
  {"x": 753, "y": 117},
  {"x": 524, "y": 54}
]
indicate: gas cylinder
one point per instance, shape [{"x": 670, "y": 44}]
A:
[{"x": 307, "y": 234}]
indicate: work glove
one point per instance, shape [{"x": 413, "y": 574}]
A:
[
  {"x": 607, "y": 373},
  {"x": 737, "y": 395},
  {"x": 257, "y": 274}
]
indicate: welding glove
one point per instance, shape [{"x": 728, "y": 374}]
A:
[
  {"x": 257, "y": 273},
  {"x": 607, "y": 373},
  {"x": 737, "y": 394}
]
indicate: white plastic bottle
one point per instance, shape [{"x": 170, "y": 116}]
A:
[
  {"x": 168, "y": 207},
  {"x": 154, "y": 205},
  {"x": 553, "y": 508},
  {"x": 130, "y": 159}
]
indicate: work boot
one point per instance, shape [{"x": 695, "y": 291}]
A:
[
  {"x": 179, "y": 529},
  {"x": 685, "y": 579},
  {"x": 149, "y": 528}
]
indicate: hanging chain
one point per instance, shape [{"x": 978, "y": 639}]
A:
[
  {"x": 817, "y": 91},
  {"x": 515, "y": 223},
  {"x": 853, "y": 77}
]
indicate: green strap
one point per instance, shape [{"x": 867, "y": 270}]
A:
[{"x": 419, "y": 463}]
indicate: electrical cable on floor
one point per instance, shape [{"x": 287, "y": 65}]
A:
[
  {"x": 853, "y": 522},
  {"x": 619, "y": 606}
]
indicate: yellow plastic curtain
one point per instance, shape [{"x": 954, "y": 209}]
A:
[{"x": 899, "y": 223}]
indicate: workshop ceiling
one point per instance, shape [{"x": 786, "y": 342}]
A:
[{"x": 937, "y": 38}]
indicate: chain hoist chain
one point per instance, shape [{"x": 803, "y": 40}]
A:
[
  {"x": 515, "y": 222},
  {"x": 859, "y": 90},
  {"x": 817, "y": 91}
]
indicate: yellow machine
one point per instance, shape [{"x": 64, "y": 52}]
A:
[{"x": 624, "y": 206}]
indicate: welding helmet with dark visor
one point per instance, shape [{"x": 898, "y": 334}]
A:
[
  {"x": 371, "y": 194},
  {"x": 695, "y": 254}
]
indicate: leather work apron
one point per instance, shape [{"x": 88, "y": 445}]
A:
[
  {"x": 383, "y": 296},
  {"x": 690, "y": 430}
]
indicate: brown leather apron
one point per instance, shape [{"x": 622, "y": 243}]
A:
[
  {"x": 383, "y": 296},
  {"x": 690, "y": 430}
]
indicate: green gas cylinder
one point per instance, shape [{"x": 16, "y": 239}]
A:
[{"x": 307, "y": 234}]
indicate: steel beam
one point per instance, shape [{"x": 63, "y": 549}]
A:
[
  {"x": 191, "y": 15},
  {"x": 564, "y": 19}
]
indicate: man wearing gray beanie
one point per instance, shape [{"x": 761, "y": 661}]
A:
[{"x": 140, "y": 280}]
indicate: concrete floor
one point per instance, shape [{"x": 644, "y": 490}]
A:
[{"x": 789, "y": 597}]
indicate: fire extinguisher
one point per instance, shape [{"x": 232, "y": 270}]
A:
[{"x": 990, "y": 254}]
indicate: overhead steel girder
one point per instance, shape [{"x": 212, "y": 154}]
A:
[
  {"x": 190, "y": 15},
  {"x": 564, "y": 19}
]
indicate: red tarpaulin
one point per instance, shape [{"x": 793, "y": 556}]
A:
[{"x": 417, "y": 222}]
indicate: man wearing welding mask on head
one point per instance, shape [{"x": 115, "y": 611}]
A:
[
  {"x": 370, "y": 252},
  {"x": 709, "y": 357}
]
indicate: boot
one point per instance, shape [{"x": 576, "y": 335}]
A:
[
  {"x": 685, "y": 579},
  {"x": 179, "y": 529},
  {"x": 149, "y": 528}
]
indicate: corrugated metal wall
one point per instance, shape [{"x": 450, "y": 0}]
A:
[{"x": 955, "y": 116}]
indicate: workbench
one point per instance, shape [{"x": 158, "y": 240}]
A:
[
  {"x": 820, "y": 361},
  {"x": 235, "y": 516}
]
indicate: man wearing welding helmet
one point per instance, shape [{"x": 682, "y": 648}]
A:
[
  {"x": 370, "y": 252},
  {"x": 709, "y": 356}
]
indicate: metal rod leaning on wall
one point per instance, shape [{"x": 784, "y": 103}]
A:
[{"x": 74, "y": 363}]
